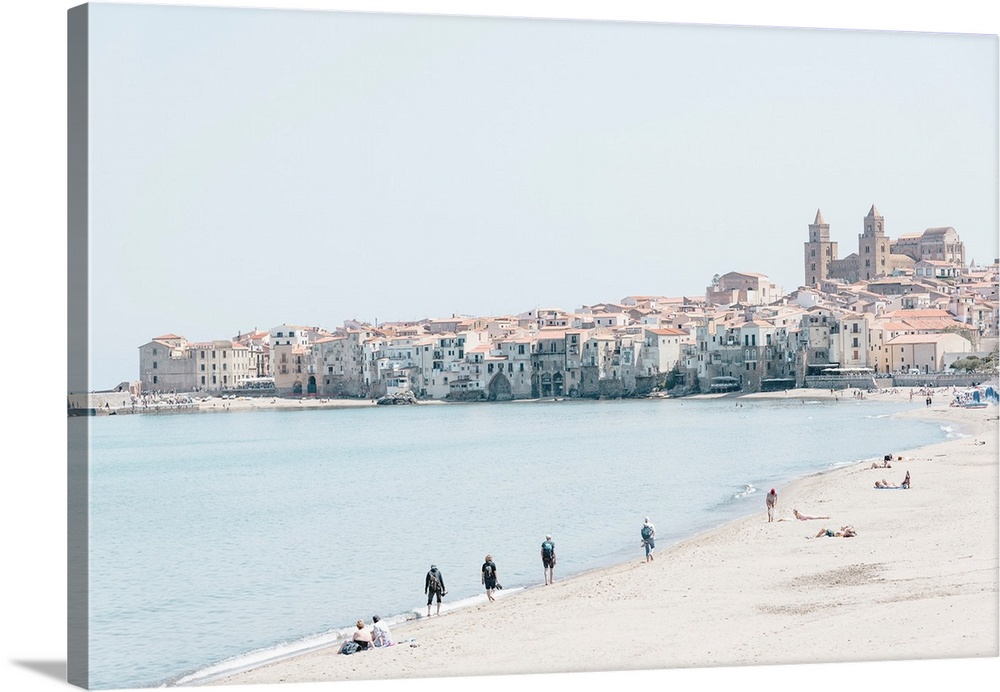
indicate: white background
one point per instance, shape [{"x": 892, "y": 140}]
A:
[{"x": 33, "y": 208}]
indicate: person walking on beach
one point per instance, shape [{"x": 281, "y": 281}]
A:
[
  {"x": 489, "y": 578},
  {"x": 648, "y": 533},
  {"x": 434, "y": 586},
  {"x": 771, "y": 500},
  {"x": 548, "y": 558}
]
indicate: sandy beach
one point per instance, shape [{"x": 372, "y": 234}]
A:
[{"x": 919, "y": 580}]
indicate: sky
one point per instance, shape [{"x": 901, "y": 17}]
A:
[
  {"x": 251, "y": 168},
  {"x": 913, "y": 191}
]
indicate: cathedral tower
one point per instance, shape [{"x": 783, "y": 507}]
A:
[
  {"x": 873, "y": 247},
  {"x": 819, "y": 251}
]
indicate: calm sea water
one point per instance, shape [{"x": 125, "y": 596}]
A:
[{"x": 225, "y": 539}]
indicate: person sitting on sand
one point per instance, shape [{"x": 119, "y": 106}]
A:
[
  {"x": 906, "y": 481},
  {"x": 362, "y": 636},
  {"x": 380, "y": 633},
  {"x": 805, "y": 517},
  {"x": 845, "y": 532}
]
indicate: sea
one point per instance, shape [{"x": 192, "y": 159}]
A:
[{"x": 221, "y": 541}]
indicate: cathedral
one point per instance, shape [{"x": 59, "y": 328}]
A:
[{"x": 877, "y": 255}]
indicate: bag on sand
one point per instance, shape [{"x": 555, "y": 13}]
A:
[{"x": 349, "y": 647}]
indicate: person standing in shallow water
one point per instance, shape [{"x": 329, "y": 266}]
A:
[
  {"x": 771, "y": 500},
  {"x": 548, "y": 558},
  {"x": 648, "y": 533},
  {"x": 434, "y": 586},
  {"x": 489, "y": 579}
]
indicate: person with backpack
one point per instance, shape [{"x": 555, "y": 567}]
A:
[
  {"x": 489, "y": 578},
  {"x": 434, "y": 586},
  {"x": 648, "y": 533},
  {"x": 548, "y": 558}
]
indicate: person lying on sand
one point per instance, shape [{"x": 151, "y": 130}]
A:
[
  {"x": 883, "y": 465},
  {"x": 905, "y": 485},
  {"x": 845, "y": 532},
  {"x": 805, "y": 517}
]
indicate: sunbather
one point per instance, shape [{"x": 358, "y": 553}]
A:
[
  {"x": 805, "y": 517},
  {"x": 845, "y": 532}
]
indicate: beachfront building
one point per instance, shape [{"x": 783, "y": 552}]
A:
[
  {"x": 925, "y": 352},
  {"x": 166, "y": 364},
  {"x": 294, "y": 370},
  {"x": 851, "y": 344},
  {"x": 661, "y": 349},
  {"x": 340, "y": 363},
  {"x": 170, "y": 363},
  {"x": 258, "y": 343},
  {"x": 512, "y": 378},
  {"x": 441, "y": 360},
  {"x": 551, "y": 376}
]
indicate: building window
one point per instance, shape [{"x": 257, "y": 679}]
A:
[{"x": 154, "y": 365}]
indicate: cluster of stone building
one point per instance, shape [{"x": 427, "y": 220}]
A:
[{"x": 904, "y": 306}]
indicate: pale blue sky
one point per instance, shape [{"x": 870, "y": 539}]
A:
[{"x": 255, "y": 167}]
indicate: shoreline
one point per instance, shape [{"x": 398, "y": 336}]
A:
[
  {"x": 118, "y": 403},
  {"x": 582, "y": 648}
]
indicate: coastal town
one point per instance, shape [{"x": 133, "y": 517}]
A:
[{"x": 906, "y": 308}]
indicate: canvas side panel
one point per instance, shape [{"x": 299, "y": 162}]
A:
[{"x": 77, "y": 649}]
